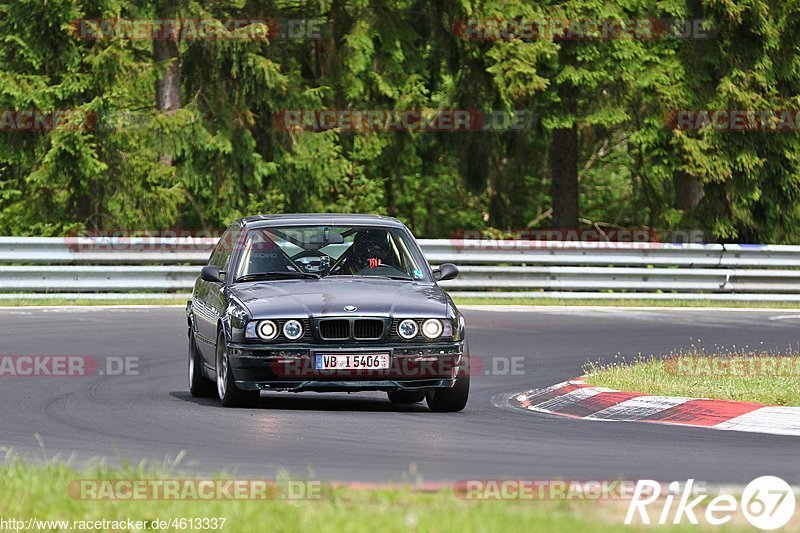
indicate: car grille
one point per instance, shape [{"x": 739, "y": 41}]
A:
[
  {"x": 332, "y": 330},
  {"x": 365, "y": 330}
]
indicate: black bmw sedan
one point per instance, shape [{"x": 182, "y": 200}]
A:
[{"x": 325, "y": 302}]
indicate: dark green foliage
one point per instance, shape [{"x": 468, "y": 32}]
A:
[{"x": 219, "y": 156}]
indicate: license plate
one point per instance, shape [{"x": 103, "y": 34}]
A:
[{"x": 367, "y": 361}]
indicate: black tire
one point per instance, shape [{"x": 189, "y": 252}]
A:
[
  {"x": 227, "y": 391},
  {"x": 405, "y": 396},
  {"x": 199, "y": 385},
  {"x": 450, "y": 400}
]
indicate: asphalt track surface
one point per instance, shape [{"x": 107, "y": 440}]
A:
[{"x": 151, "y": 416}]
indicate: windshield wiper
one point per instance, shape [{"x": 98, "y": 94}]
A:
[
  {"x": 403, "y": 278},
  {"x": 379, "y": 276},
  {"x": 277, "y": 275}
]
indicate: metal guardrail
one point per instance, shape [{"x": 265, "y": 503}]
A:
[{"x": 146, "y": 267}]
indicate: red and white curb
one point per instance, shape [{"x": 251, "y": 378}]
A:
[{"x": 577, "y": 399}]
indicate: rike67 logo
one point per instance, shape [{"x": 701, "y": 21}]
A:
[{"x": 767, "y": 502}]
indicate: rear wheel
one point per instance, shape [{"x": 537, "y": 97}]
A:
[
  {"x": 199, "y": 385},
  {"x": 404, "y": 396},
  {"x": 229, "y": 394}
]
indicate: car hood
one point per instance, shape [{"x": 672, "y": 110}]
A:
[{"x": 328, "y": 297}]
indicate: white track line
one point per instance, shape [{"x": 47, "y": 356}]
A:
[
  {"x": 774, "y": 419},
  {"x": 638, "y": 408}
]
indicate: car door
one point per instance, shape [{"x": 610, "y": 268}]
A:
[{"x": 209, "y": 302}]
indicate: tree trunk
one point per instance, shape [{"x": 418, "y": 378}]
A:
[
  {"x": 168, "y": 85},
  {"x": 688, "y": 191},
  {"x": 564, "y": 176}
]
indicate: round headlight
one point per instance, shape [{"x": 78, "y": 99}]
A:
[
  {"x": 293, "y": 330},
  {"x": 267, "y": 330},
  {"x": 432, "y": 328},
  {"x": 407, "y": 329}
]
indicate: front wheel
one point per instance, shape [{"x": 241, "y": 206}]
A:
[
  {"x": 450, "y": 400},
  {"x": 229, "y": 394}
]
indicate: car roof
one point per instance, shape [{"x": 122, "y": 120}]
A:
[{"x": 324, "y": 219}]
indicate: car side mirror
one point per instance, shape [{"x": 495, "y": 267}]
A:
[
  {"x": 211, "y": 273},
  {"x": 446, "y": 271}
]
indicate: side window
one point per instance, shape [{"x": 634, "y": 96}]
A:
[
  {"x": 217, "y": 253},
  {"x": 224, "y": 249}
]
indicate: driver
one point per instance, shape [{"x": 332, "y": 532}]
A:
[{"x": 370, "y": 250}]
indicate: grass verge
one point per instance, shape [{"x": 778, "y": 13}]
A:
[
  {"x": 746, "y": 377},
  {"x": 627, "y": 303},
  {"x": 43, "y": 302},
  {"x": 171, "y": 300},
  {"x": 41, "y": 492}
]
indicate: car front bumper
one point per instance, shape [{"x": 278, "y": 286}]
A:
[{"x": 292, "y": 367}]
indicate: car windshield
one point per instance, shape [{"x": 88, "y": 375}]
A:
[{"x": 296, "y": 252}]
